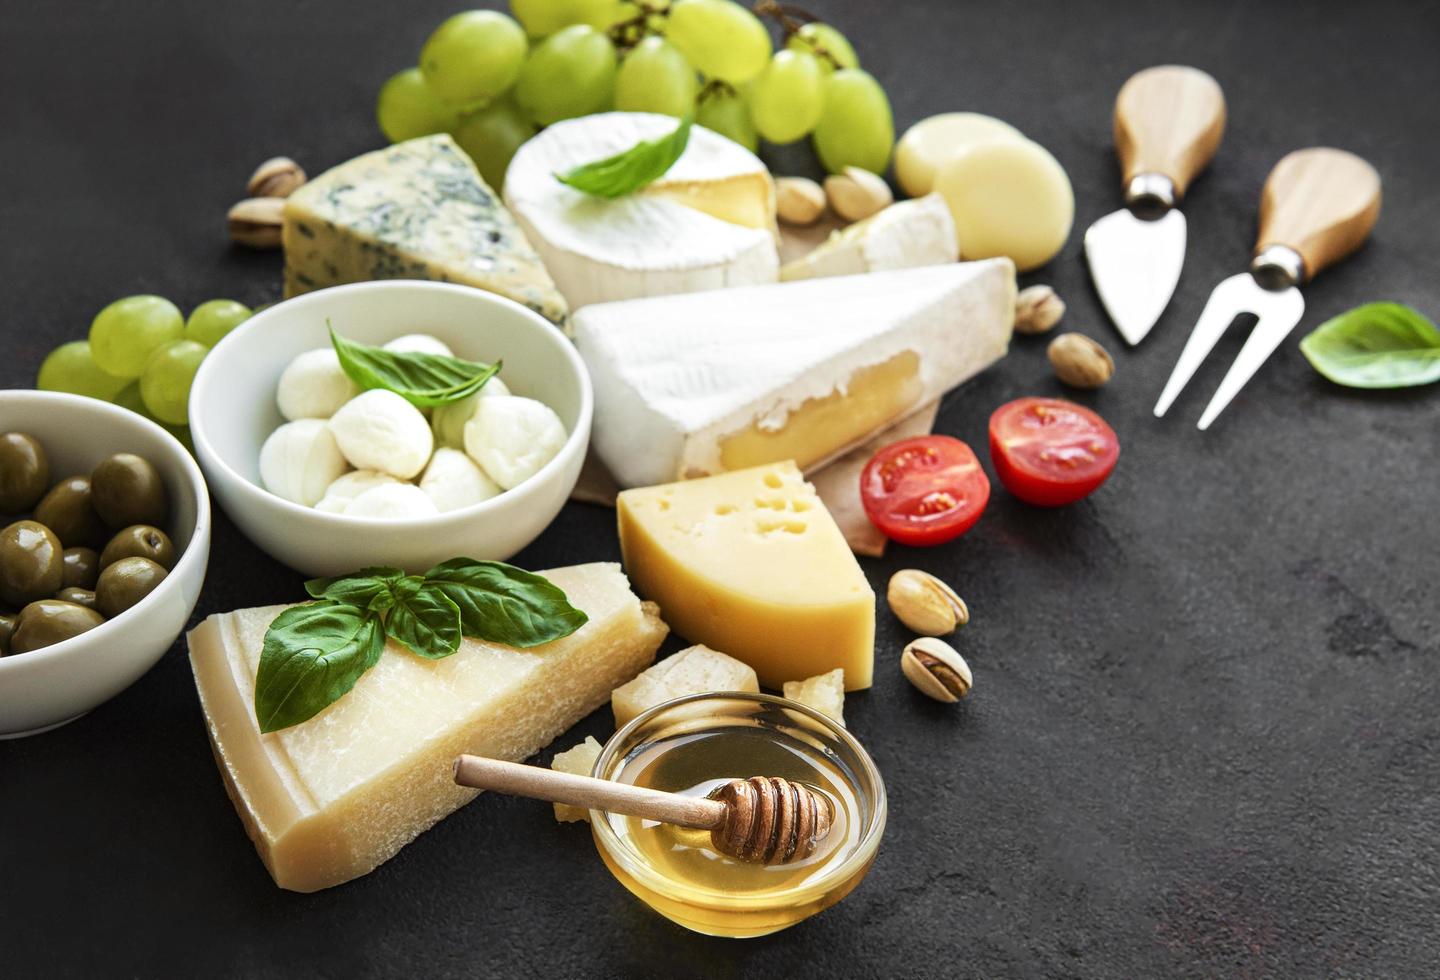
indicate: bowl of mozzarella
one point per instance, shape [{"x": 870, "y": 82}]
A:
[{"x": 329, "y": 469}]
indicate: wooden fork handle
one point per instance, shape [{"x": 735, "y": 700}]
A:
[
  {"x": 1320, "y": 202},
  {"x": 1168, "y": 121}
]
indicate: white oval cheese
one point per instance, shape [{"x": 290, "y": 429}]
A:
[{"x": 707, "y": 223}]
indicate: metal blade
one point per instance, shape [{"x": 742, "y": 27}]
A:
[
  {"x": 1135, "y": 265},
  {"x": 1220, "y": 311},
  {"x": 1279, "y": 311}
]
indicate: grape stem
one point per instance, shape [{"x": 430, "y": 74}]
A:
[
  {"x": 791, "y": 18},
  {"x": 716, "y": 89},
  {"x": 627, "y": 33}
]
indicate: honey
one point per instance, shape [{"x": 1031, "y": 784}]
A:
[{"x": 694, "y": 745}]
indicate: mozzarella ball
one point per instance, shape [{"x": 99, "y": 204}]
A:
[
  {"x": 301, "y": 459},
  {"x": 453, "y": 481},
  {"x": 343, "y": 491},
  {"x": 314, "y": 386},
  {"x": 448, "y": 422},
  {"x": 512, "y": 438},
  {"x": 379, "y": 430},
  {"x": 392, "y": 502},
  {"x": 421, "y": 343}
]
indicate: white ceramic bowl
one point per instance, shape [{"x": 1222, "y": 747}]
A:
[
  {"x": 55, "y": 684},
  {"x": 232, "y": 411}
]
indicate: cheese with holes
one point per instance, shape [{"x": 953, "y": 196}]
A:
[
  {"x": 906, "y": 235},
  {"x": 329, "y": 799},
  {"x": 690, "y": 386},
  {"x": 751, "y": 563},
  {"x": 694, "y": 670},
  {"x": 415, "y": 210},
  {"x": 707, "y": 223}
]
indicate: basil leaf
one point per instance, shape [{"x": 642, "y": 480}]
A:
[
  {"x": 360, "y": 589},
  {"x": 504, "y": 604},
  {"x": 632, "y": 169},
  {"x": 426, "y": 621},
  {"x": 1378, "y": 345},
  {"x": 424, "y": 380},
  {"x": 313, "y": 655}
]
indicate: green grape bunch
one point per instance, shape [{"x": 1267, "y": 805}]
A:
[{"x": 492, "y": 81}]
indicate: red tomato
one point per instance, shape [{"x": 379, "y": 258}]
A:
[
  {"x": 1050, "y": 452},
  {"x": 924, "y": 491}
]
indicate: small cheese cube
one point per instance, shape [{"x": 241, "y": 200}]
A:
[
  {"x": 823, "y": 692},
  {"x": 694, "y": 670},
  {"x": 578, "y": 760}
]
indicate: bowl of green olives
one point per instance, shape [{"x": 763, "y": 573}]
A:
[{"x": 104, "y": 540}]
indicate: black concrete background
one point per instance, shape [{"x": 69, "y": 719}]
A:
[{"x": 1203, "y": 738}]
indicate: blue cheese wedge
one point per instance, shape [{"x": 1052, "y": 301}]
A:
[{"x": 415, "y": 210}]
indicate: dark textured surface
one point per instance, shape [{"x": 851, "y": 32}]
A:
[{"x": 1203, "y": 739}]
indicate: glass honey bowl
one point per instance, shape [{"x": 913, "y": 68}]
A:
[{"x": 692, "y": 745}]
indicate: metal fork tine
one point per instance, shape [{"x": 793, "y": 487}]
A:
[
  {"x": 1278, "y": 317},
  {"x": 1220, "y": 311}
]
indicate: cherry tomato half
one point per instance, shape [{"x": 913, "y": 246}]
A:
[
  {"x": 924, "y": 491},
  {"x": 1050, "y": 452}
]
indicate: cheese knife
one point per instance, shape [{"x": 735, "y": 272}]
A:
[
  {"x": 1318, "y": 206},
  {"x": 1168, "y": 124}
]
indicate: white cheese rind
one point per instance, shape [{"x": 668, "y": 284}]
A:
[
  {"x": 642, "y": 244},
  {"x": 674, "y": 375},
  {"x": 907, "y": 235}
]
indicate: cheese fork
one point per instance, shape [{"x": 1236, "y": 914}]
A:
[{"x": 1318, "y": 207}]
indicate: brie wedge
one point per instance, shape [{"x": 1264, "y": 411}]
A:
[
  {"x": 903, "y": 236},
  {"x": 689, "y": 386},
  {"x": 708, "y": 223}
]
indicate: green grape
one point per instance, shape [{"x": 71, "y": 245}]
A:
[
  {"x": 212, "y": 320},
  {"x": 817, "y": 38},
  {"x": 406, "y": 108},
  {"x": 70, "y": 368},
  {"x": 722, "y": 39},
  {"x": 655, "y": 77},
  {"x": 473, "y": 57},
  {"x": 570, "y": 73},
  {"x": 125, "y": 333},
  {"x": 129, "y": 398},
  {"x": 786, "y": 99},
  {"x": 491, "y": 137},
  {"x": 541, "y": 18},
  {"x": 165, "y": 385},
  {"x": 727, "y": 114},
  {"x": 855, "y": 128}
]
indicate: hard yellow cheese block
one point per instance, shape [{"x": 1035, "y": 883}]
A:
[
  {"x": 751, "y": 563},
  {"x": 330, "y": 799},
  {"x": 695, "y": 670}
]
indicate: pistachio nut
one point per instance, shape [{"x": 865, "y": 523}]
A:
[
  {"x": 1037, "y": 310},
  {"x": 276, "y": 177},
  {"x": 936, "y": 670},
  {"x": 925, "y": 604},
  {"x": 856, "y": 194},
  {"x": 799, "y": 200},
  {"x": 1079, "y": 361},
  {"x": 256, "y": 222}
]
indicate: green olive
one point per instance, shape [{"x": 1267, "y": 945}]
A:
[
  {"x": 68, "y": 511},
  {"x": 125, "y": 583},
  {"x": 81, "y": 597},
  {"x": 24, "y": 472},
  {"x": 81, "y": 568},
  {"x": 140, "y": 541},
  {"x": 49, "y": 621},
  {"x": 128, "y": 490},
  {"x": 7, "y": 629},
  {"x": 30, "y": 563}
]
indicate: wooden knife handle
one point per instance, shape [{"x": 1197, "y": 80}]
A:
[
  {"x": 1322, "y": 203},
  {"x": 1168, "y": 120}
]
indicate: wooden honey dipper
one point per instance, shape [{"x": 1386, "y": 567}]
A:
[{"x": 760, "y": 820}]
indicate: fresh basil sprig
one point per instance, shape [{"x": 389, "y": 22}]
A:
[
  {"x": 424, "y": 380},
  {"x": 314, "y": 653},
  {"x": 628, "y": 171},
  {"x": 1378, "y": 345}
]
